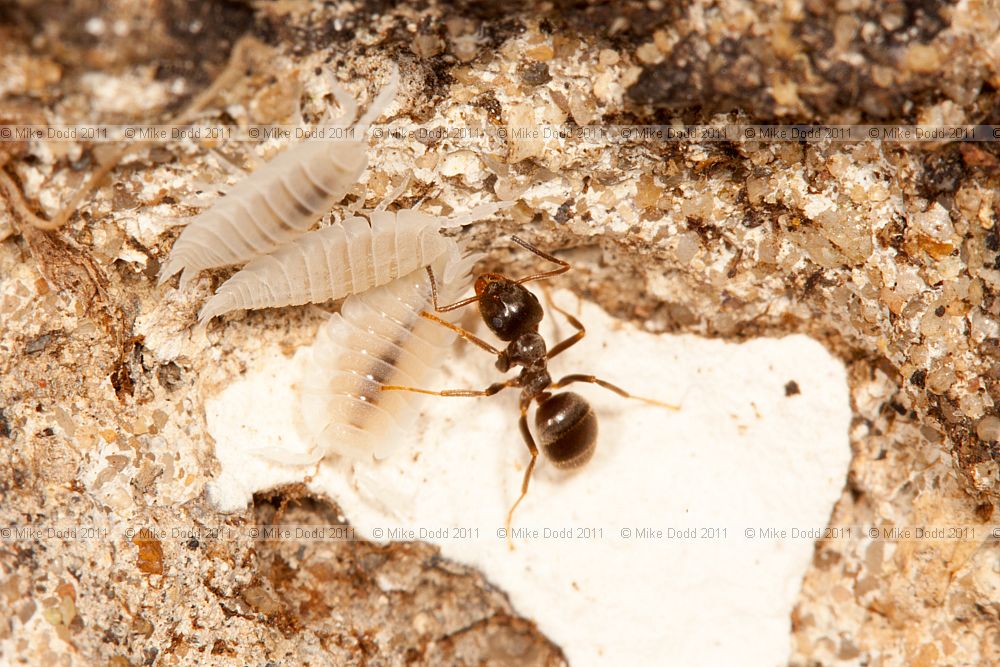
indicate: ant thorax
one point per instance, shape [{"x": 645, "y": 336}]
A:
[
  {"x": 529, "y": 352},
  {"x": 526, "y": 350}
]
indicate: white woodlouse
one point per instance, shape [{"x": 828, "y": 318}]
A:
[
  {"x": 378, "y": 338},
  {"x": 335, "y": 261},
  {"x": 282, "y": 199}
]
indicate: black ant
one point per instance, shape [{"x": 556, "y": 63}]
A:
[{"x": 566, "y": 424}]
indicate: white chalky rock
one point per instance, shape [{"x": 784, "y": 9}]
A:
[{"x": 661, "y": 563}]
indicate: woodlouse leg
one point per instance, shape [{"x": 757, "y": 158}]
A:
[
  {"x": 477, "y": 213},
  {"x": 467, "y": 335},
  {"x": 280, "y": 457},
  {"x": 533, "y": 448},
  {"x": 298, "y": 120},
  {"x": 563, "y": 265},
  {"x": 311, "y": 476},
  {"x": 348, "y": 106},
  {"x": 396, "y": 192},
  {"x": 231, "y": 166},
  {"x": 203, "y": 195},
  {"x": 494, "y": 388},
  {"x": 578, "y": 377},
  {"x": 356, "y": 206},
  {"x": 382, "y": 100}
]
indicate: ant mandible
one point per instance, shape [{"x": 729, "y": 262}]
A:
[{"x": 565, "y": 422}]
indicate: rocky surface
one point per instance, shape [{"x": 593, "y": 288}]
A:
[{"x": 886, "y": 253}]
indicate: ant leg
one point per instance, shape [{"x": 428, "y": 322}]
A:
[
  {"x": 467, "y": 335},
  {"x": 494, "y": 388},
  {"x": 533, "y": 448},
  {"x": 581, "y": 331},
  {"x": 569, "y": 379}
]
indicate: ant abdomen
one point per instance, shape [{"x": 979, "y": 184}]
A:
[{"x": 567, "y": 429}]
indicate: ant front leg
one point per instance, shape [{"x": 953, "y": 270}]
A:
[
  {"x": 577, "y": 377},
  {"x": 467, "y": 335},
  {"x": 533, "y": 448}
]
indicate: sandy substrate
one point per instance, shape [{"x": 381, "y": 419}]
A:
[{"x": 736, "y": 267}]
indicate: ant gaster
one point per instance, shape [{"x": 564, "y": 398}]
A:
[{"x": 565, "y": 422}]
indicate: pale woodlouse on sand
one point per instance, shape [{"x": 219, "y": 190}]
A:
[
  {"x": 342, "y": 259},
  {"x": 281, "y": 200},
  {"x": 378, "y": 338},
  {"x": 375, "y": 258}
]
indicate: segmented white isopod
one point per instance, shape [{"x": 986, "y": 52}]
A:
[
  {"x": 378, "y": 338},
  {"x": 335, "y": 261},
  {"x": 282, "y": 199}
]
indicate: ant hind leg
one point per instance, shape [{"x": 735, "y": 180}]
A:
[{"x": 533, "y": 448}]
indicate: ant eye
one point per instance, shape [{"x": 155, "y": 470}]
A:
[{"x": 496, "y": 322}]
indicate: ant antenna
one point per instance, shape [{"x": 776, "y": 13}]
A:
[{"x": 563, "y": 266}]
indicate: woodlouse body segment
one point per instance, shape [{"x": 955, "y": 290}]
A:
[
  {"x": 333, "y": 262},
  {"x": 279, "y": 201},
  {"x": 378, "y": 338}
]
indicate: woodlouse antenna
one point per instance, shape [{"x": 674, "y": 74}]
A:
[{"x": 396, "y": 192}]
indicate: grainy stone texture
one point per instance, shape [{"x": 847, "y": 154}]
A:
[{"x": 886, "y": 253}]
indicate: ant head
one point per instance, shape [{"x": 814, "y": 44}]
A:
[{"x": 507, "y": 307}]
